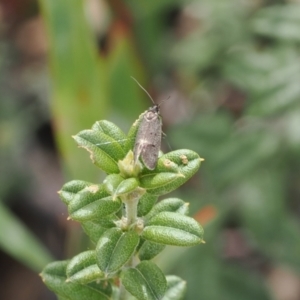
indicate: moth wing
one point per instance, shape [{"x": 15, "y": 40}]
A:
[
  {"x": 138, "y": 148},
  {"x": 140, "y": 139},
  {"x": 151, "y": 148},
  {"x": 150, "y": 155},
  {"x": 148, "y": 141}
]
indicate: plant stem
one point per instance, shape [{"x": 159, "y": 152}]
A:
[
  {"x": 131, "y": 208},
  {"x": 131, "y": 201}
]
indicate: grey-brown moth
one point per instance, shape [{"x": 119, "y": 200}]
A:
[{"x": 148, "y": 138}]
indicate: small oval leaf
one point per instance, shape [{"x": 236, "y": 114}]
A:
[
  {"x": 111, "y": 130},
  {"x": 115, "y": 248},
  {"x": 169, "y": 204},
  {"x": 146, "y": 203},
  {"x": 173, "y": 169},
  {"x": 126, "y": 186},
  {"x": 176, "y": 288},
  {"x": 145, "y": 282},
  {"x": 160, "y": 183},
  {"x": 149, "y": 250},
  {"x": 83, "y": 268},
  {"x": 95, "y": 228},
  {"x": 70, "y": 189},
  {"x": 111, "y": 182},
  {"x": 104, "y": 150},
  {"x": 93, "y": 202},
  {"x": 171, "y": 228},
  {"x": 54, "y": 276}
]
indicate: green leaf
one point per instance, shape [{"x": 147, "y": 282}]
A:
[
  {"x": 266, "y": 211},
  {"x": 63, "y": 298},
  {"x": 112, "y": 130},
  {"x": 126, "y": 186},
  {"x": 71, "y": 188},
  {"x": 171, "y": 228},
  {"x": 122, "y": 62},
  {"x": 115, "y": 248},
  {"x": 169, "y": 204},
  {"x": 116, "y": 185},
  {"x": 149, "y": 250},
  {"x": 146, "y": 281},
  {"x": 20, "y": 243},
  {"x": 111, "y": 182},
  {"x": 105, "y": 151},
  {"x": 278, "y": 21},
  {"x": 176, "y": 288},
  {"x": 173, "y": 169},
  {"x": 54, "y": 276},
  {"x": 78, "y": 76},
  {"x": 83, "y": 268},
  {"x": 146, "y": 203},
  {"x": 93, "y": 202},
  {"x": 95, "y": 228}
]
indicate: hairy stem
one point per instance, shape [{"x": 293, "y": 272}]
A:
[{"x": 131, "y": 208}]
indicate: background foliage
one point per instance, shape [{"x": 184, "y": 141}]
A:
[{"x": 231, "y": 69}]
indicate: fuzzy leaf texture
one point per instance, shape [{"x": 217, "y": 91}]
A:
[
  {"x": 83, "y": 268},
  {"x": 146, "y": 281},
  {"x": 105, "y": 143},
  {"x": 175, "y": 229},
  {"x": 70, "y": 189},
  {"x": 169, "y": 204},
  {"x": 54, "y": 276},
  {"x": 173, "y": 169},
  {"x": 176, "y": 288},
  {"x": 115, "y": 248},
  {"x": 95, "y": 228},
  {"x": 111, "y": 182},
  {"x": 149, "y": 250},
  {"x": 118, "y": 186},
  {"x": 146, "y": 203},
  {"x": 93, "y": 202}
]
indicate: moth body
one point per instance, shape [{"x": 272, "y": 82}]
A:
[{"x": 148, "y": 138}]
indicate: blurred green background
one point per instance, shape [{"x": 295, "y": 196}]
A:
[{"x": 232, "y": 71}]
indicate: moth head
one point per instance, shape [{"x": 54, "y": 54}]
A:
[
  {"x": 154, "y": 109},
  {"x": 152, "y": 113}
]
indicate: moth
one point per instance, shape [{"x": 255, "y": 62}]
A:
[{"x": 148, "y": 138}]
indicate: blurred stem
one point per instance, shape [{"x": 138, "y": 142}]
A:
[
  {"x": 131, "y": 201},
  {"x": 131, "y": 208}
]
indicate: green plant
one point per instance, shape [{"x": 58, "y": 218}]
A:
[{"x": 122, "y": 218}]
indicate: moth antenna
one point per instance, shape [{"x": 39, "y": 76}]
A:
[
  {"x": 164, "y": 101},
  {"x": 143, "y": 89}
]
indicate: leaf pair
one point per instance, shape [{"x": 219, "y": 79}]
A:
[
  {"x": 165, "y": 223},
  {"x": 108, "y": 145},
  {"x": 88, "y": 201},
  {"x": 145, "y": 282}
]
